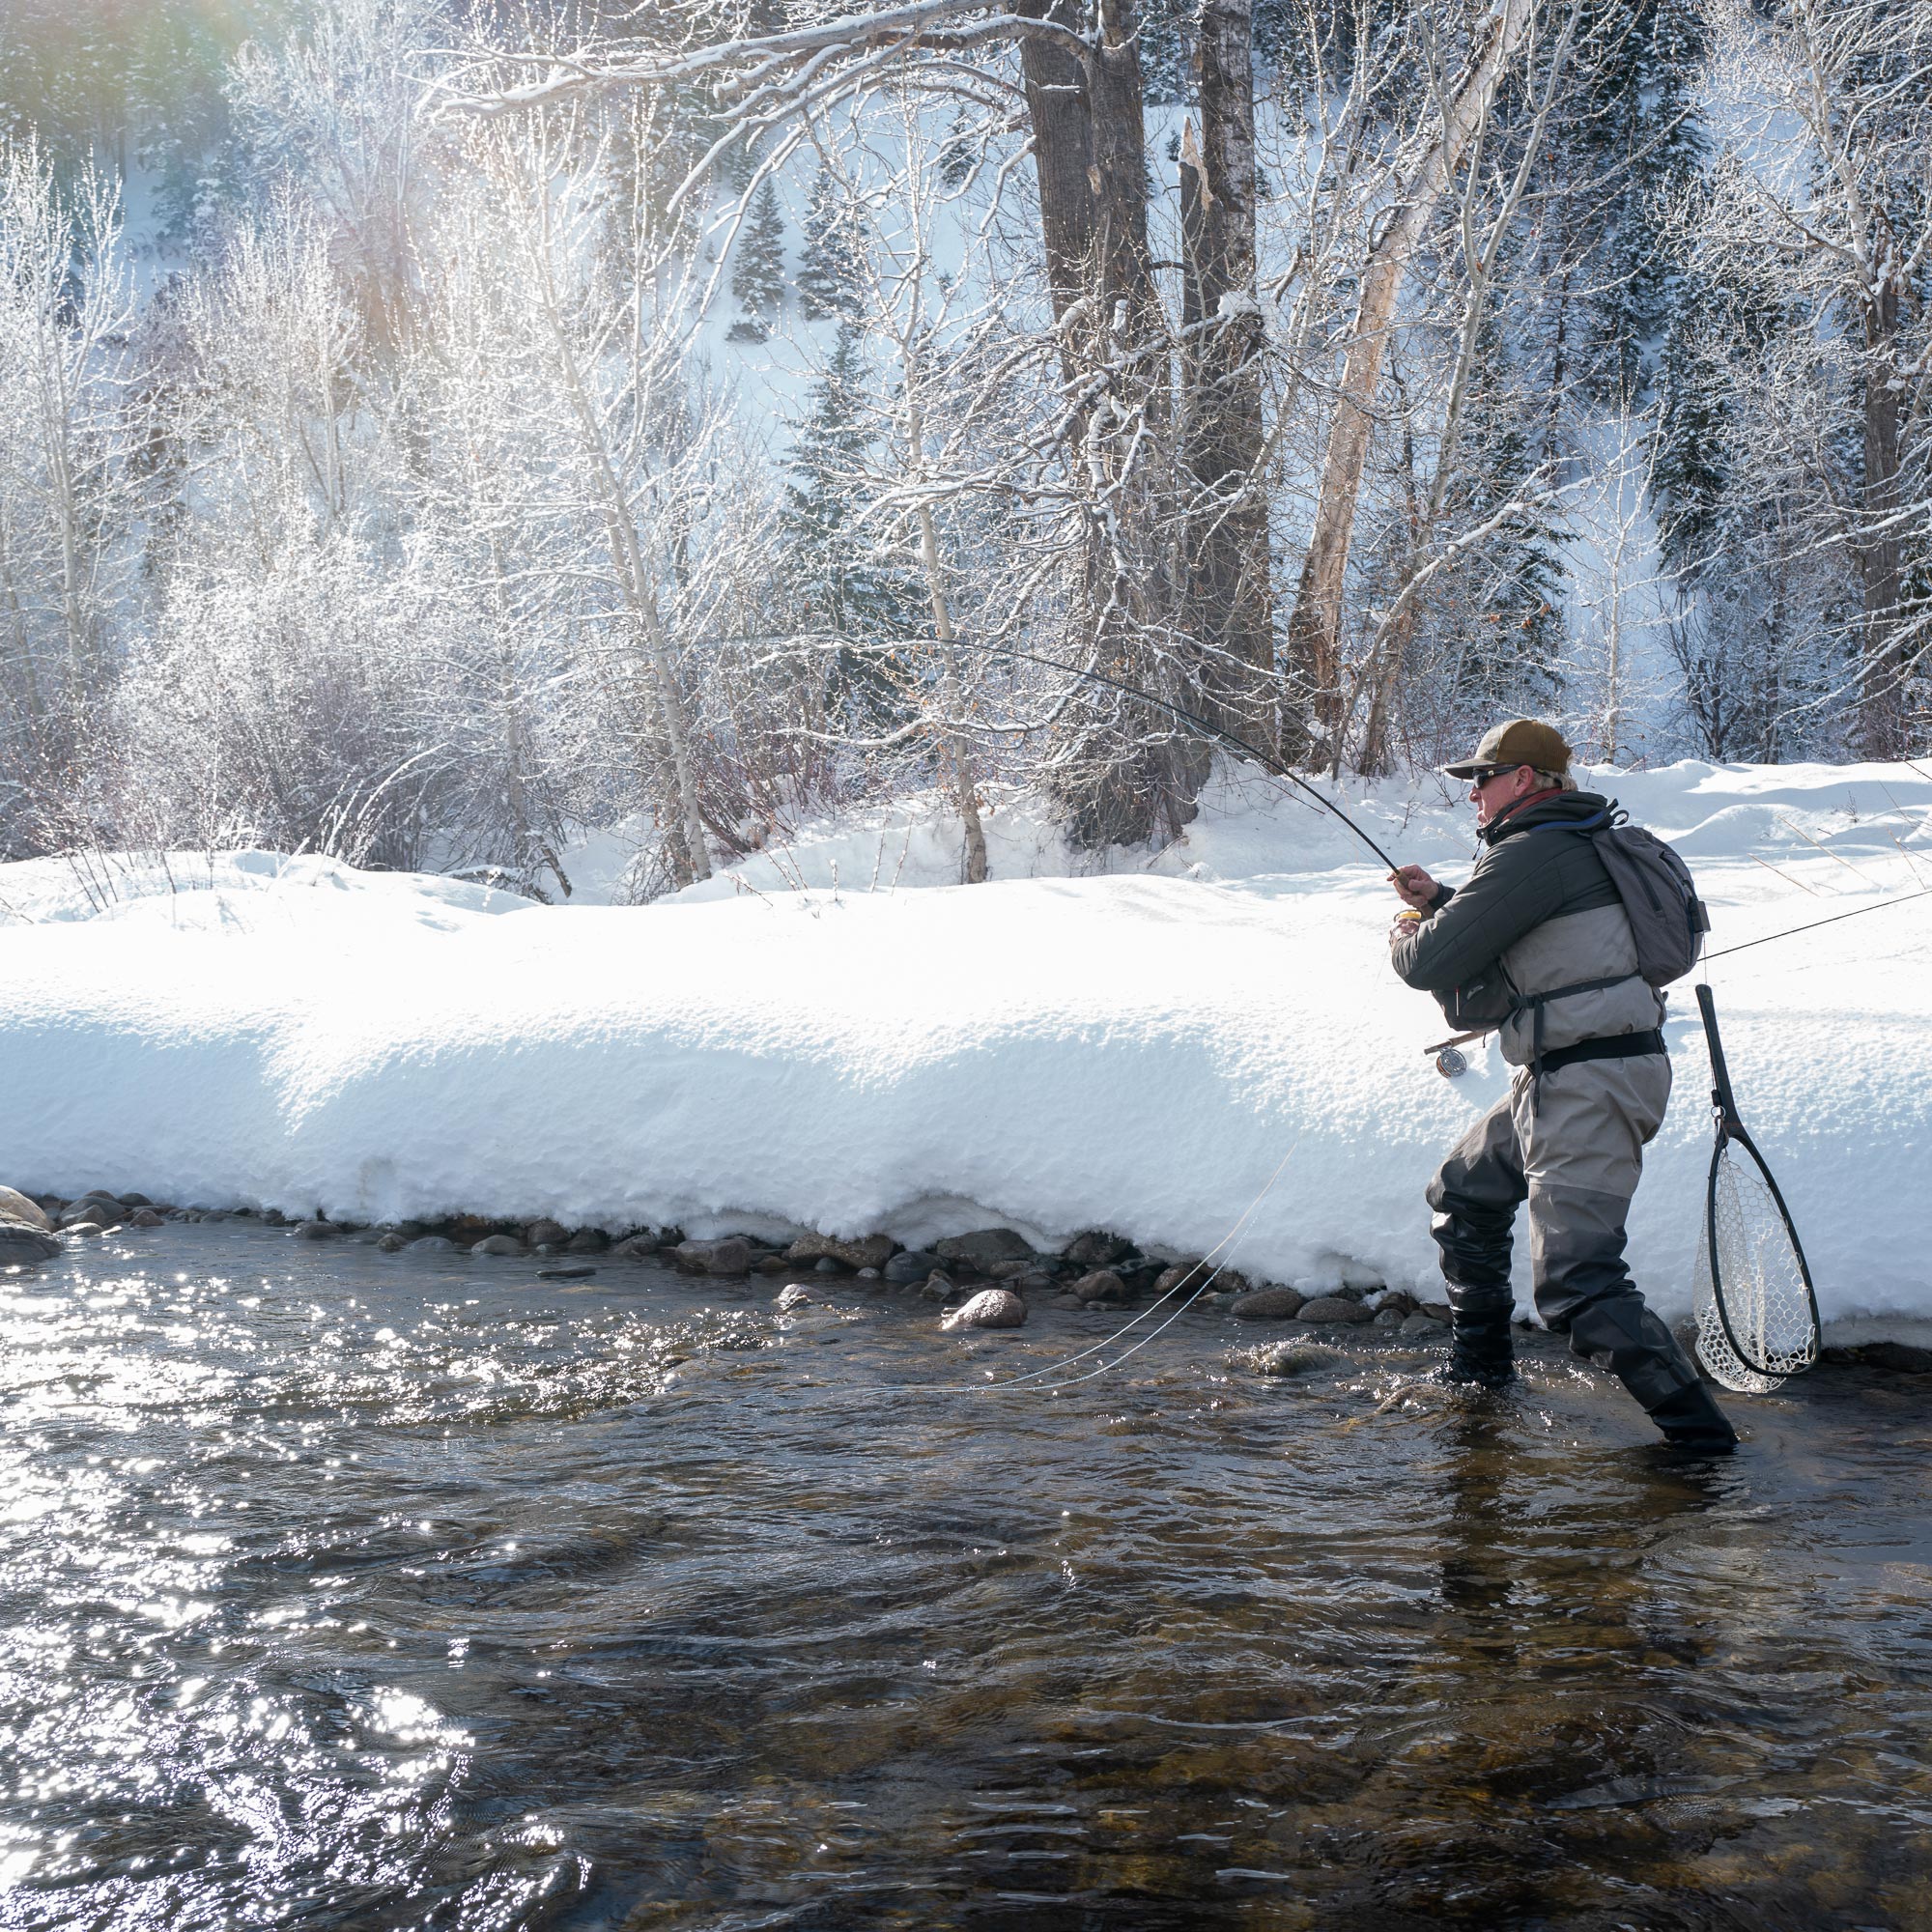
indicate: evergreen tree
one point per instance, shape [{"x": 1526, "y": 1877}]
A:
[
  {"x": 1638, "y": 128},
  {"x": 757, "y": 262},
  {"x": 1514, "y": 650},
  {"x": 829, "y": 271},
  {"x": 840, "y": 579}
]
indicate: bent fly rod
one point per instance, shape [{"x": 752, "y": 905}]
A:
[{"x": 1273, "y": 765}]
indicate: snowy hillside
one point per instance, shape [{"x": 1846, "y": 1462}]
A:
[{"x": 837, "y": 1038}]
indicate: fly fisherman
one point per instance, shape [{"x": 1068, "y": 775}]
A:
[{"x": 1540, "y": 915}]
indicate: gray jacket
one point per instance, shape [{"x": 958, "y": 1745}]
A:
[{"x": 1539, "y": 913}]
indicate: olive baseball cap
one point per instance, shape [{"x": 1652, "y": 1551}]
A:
[{"x": 1522, "y": 741}]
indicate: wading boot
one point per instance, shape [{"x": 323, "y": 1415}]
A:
[
  {"x": 1691, "y": 1419},
  {"x": 1480, "y": 1350},
  {"x": 1619, "y": 1333}
]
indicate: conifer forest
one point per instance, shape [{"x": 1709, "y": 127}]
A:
[{"x": 433, "y": 428}]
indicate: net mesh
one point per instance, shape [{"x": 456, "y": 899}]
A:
[{"x": 1756, "y": 1271}]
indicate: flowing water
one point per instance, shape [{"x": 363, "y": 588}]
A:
[{"x": 340, "y": 1589}]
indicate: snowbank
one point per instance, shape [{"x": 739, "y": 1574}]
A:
[{"x": 1209, "y": 1032}]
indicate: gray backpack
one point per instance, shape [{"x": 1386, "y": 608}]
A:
[{"x": 1667, "y": 918}]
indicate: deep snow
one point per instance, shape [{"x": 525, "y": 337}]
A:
[{"x": 1140, "y": 1050}]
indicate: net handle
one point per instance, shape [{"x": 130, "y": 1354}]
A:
[{"x": 1721, "y": 1096}]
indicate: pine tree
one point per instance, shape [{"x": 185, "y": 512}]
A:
[
  {"x": 1515, "y": 644},
  {"x": 1641, "y": 128},
  {"x": 757, "y": 262},
  {"x": 830, "y": 270},
  {"x": 834, "y": 570}
]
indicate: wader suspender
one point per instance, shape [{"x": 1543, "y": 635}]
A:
[{"x": 1533, "y": 1004}]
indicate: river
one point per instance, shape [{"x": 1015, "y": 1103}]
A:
[{"x": 341, "y": 1589}]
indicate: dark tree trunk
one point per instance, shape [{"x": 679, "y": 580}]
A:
[
  {"x": 1882, "y": 707},
  {"x": 1122, "y": 776},
  {"x": 1228, "y": 602}
]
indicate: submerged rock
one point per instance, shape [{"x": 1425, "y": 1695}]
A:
[
  {"x": 908, "y": 1265},
  {"x": 982, "y": 1249},
  {"x": 1422, "y": 1328},
  {"x": 314, "y": 1231},
  {"x": 940, "y": 1286},
  {"x": 990, "y": 1308},
  {"x": 1268, "y": 1305},
  {"x": 587, "y": 1242},
  {"x": 430, "y": 1244},
  {"x": 635, "y": 1247},
  {"x": 544, "y": 1231},
  {"x": 1102, "y": 1285},
  {"x": 873, "y": 1252},
  {"x": 23, "y": 1246},
  {"x": 18, "y": 1209},
  {"x": 392, "y": 1243},
  {"x": 1334, "y": 1308},
  {"x": 1290, "y": 1358},
  {"x": 499, "y": 1244},
  {"x": 732, "y": 1256}
]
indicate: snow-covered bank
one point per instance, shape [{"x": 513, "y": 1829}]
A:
[{"x": 1208, "y": 1035}]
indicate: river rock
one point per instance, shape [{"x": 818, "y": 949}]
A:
[
  {"x": 544, "y": 1231},
  {"x": 430, "y": 1244},
  {"x": 983, "y": 1249},
  {"x": 1397, "y": 1298},
  {"x": 23, "y": 1246},
  {"x": 1901, "y": 1357},
  {"x": 80, "y": 1228},
  {"x": 1292, "y": 1358},
  {"x": 825, "y": 1265},
  {"x": 1333, "y": 1308},
  {"x": 939, "y": 1286},
  {"x": 1268, "y": 1305},
  {"x": 145, "y": 1218},
  {"x": 908, "y": 1265},
  {"x": 1191, "y": 1277},
  {"x": 873, "y": 1252},
  {"x": 25, "y": 1213},
  {"x": 1436, "y": 1311},
  {"x": 795, "y": 1294},
  {"x": 89, "y": 1207},
  {"x": 1098, "y": 1249},
  {"x": 1102, "y": 1284},
  {"x": 392, "y": 1243},
  {"x": 591, "y": 1241},
  {"x": 990, "y": 1308},
  {"x": 273, "y": 1217},
  {"x": 635, "y": 1247},
  {"x": 1388, "y": 1317},
  {"x": 732, "y": 1256},
  {"x": 136, "y": 1201},
  {"x": 314, "y": 1231},
  {"x": 1419, "y": 1327},
  {"x": 499, "y": 1244},
  {"x": 1011, "y": 1270},
  {"x": 1031, "y": 1281}
]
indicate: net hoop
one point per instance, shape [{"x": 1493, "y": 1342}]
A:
[{"x": 1724, "y": 1337}]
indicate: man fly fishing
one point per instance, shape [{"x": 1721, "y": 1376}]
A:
[{"x": 1538, "y": 944}]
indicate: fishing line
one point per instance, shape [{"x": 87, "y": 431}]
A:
[
  {"x": 1813, "y": 926},
  {"x": 1273, "y": 765},
  {"x": 1056, "y": 1369}
]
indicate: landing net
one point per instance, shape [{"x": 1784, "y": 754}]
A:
[{"x": 1756, "y": 1320}]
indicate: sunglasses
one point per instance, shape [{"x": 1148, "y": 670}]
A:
[{"x": 1483, "y": 773}]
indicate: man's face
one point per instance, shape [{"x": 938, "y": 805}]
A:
[{"x": 1491, "y": 791}]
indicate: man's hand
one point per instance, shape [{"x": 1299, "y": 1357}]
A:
[{"x": 1414, "y": 887}]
